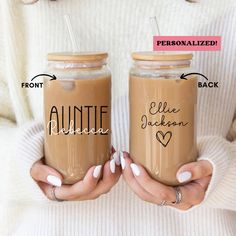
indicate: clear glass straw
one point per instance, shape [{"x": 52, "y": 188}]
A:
[
  {"x": 71, "y": 33},
  {"x": 155, "y": 27}
]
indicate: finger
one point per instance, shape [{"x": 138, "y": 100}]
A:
[
  {"x": 124, "y": 156},
  {"x": 111, "y": 175},
  {"x": 46, "y": 174},
  {"x": 132, "y": 182},
  {"x": 81, "y": 188},
  {"x": 152, "y": 186},
  {"x": 47, "y": 190},
  {"x": 113, "y": 150},
  {"x": 204, "y": 182},
  {"x": 116, "y": 157},
  {"x": 182, "y": 206},
  {"x": 192, "y": 193},
  {"x": 194, "y": 170}
]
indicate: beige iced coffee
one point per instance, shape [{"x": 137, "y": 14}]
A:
[
  {"x": 162, "y": 113},
  {"x": 77, "y": 113}
]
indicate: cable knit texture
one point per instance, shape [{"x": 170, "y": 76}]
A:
[{"x": 28, "y": 32}]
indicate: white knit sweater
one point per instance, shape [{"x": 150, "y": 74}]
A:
[{"x": 27, "y": 33}]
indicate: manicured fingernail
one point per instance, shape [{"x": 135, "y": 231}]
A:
[
  {"x": 122, "y": 160},
  {"x": 54, "y": 180},
  {"x": 112, "y": 166},
  {"x": 135, "y": 169},
  {"x": 97, "y": 171},
  {"x": 116, "y": 157},
  {"x": 184, "y": 176}
]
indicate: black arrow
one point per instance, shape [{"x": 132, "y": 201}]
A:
[
  {"x": 53, "y": 77},
  {"x": 183, "y": 76}
]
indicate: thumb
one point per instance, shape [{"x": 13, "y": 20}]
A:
[
  {"x": 204, "y": 182},
  {"x": 194, "y": 170},
  {"x": 46, "y": 174}
]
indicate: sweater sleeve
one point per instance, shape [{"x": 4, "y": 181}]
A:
[
  {"x": 221, "y": 192},
  {"x": 20, "y": 148},
  {"x": 20, "y": 145},
  {"x": 7, "y": 137},
  {"x": 29, "y": 149},
  {"x": 216, "y": 109}
]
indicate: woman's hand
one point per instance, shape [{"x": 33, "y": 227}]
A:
[
  {"x": 196, "y": 174},
  {"x": 91, "y": 187}
]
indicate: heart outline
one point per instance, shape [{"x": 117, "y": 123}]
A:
[{"x": 163, "y": 137}]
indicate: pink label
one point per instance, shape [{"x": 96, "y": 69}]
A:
[{"x": 186, "y": 43}]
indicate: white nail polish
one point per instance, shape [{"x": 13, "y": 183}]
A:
[
  {"x": 122, "y": 160},
  {"x": 184, "y": 176},
  {"x": 116, "y": 157},
  {"x": 97, "y": 171},
  {"x": 112, "y": 166},
  {"x": 135, "y": 169},
  {"x": 55, "y": 181}
]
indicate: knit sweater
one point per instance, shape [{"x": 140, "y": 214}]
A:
[{"x": 28, "y": 32}]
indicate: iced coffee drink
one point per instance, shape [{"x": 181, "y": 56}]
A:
[
  {"x": 162, "y": 113},
  {"x": 77, "y": 113}
]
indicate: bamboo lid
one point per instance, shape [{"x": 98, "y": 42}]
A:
[
  {"x": 161, "y": 56},
  {"x": 77, "y": 57}
]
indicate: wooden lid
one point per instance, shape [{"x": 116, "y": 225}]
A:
[
  {"x": 78, "y": 56},
  {"x": 161, "y": 56}
]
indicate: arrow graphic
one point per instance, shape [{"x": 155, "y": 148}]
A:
[
  {"x": 183, "y": 76},
  {"x": 53, "y": 77}
]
